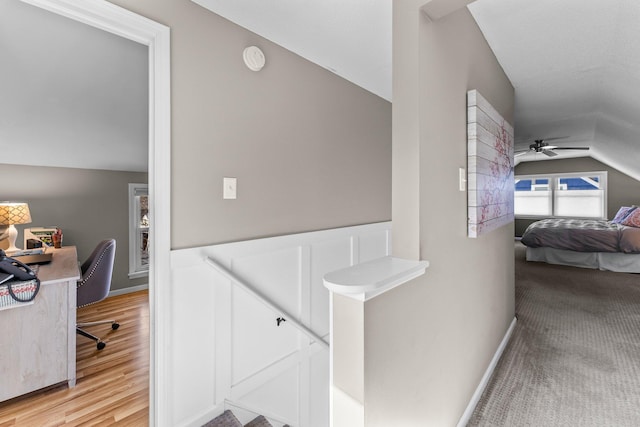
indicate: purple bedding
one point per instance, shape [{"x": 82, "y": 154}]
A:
[{"x": 582, "y": 235}]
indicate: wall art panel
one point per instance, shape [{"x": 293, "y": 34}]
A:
[{"x": 489, "y": 168}]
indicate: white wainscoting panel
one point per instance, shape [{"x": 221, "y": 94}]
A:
[
  {"x": 325, "y": 257},
  {"x": 227, "y": 345},
  {"x": 193, "y": 342}
]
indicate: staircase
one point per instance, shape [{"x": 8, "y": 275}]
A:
[{"x": 227, "y": 419}]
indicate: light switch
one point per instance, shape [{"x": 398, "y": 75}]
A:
[
  {"x": 463, "y": 179},
  {"x": 229, "y": 188}
]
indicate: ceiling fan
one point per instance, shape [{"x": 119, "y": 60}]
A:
[{"x": 542, "y": 146}]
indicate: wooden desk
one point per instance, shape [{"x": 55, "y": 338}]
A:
[{"x": 38, "y": 341}]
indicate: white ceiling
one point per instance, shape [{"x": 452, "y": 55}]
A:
[
  {"x": 575, "y": 66},
  {"x": 351, "y": 38},
  {"x": 574, "y": 63},
  {"x": 72, "y": 95}
]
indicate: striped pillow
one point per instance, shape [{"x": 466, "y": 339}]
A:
[{"x": 623, "y": 212}]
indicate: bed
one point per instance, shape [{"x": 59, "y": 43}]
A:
[{"x": 599, "y": 244}]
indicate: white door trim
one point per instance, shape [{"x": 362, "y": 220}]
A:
[{"x": 114, "y": 19}]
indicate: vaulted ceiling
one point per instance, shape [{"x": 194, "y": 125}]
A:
[
  {"x": 71, "y": 95},
  {"x": 351, "y": 38},
  {"x": 574, "y": 64}
]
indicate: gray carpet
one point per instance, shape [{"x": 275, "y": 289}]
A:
[
  {"x": 226, "y": 419},
  {"x": 574, "y": 356}
]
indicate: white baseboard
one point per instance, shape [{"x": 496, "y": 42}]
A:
[
  {"x": 128, "y": 290},
  {"x": 485, "y": 378}
]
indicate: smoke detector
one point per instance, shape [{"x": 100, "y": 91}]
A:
[{"x": 253, "y": 58}]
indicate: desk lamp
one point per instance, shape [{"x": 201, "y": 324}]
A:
[{"x": 14, "y": 213}]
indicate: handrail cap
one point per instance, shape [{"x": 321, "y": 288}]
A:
[{"x": 369, "y": 279}]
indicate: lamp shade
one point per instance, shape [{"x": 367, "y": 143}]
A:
[{"x": 14, "y": 213}]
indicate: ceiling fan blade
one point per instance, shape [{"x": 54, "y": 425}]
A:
[
  {"x": 520, "y": 153},
  {"x": 571, "y": 148},
  {"x": 554, "y": 138},
  {"x": 549, "y": 147},
  {"x": 549, "y": 153}
]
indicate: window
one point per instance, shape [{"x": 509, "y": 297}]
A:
[
  {"x": 581, "y": 195},
  {"x": 138, "y": 230}
]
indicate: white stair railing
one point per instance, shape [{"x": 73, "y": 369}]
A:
[{"x": 228, "y": 274}]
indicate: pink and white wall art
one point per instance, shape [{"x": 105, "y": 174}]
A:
[{"x": 490, "y": 167}]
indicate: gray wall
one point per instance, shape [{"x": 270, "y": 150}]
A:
[
  {"x": 309, "y": 149},
  {"x": 622, "y": 190},
  {"x": 429, "y": 342},
  {"x": 88, "y": 205}
]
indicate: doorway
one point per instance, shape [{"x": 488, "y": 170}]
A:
[{"x": 121, "y": 22}]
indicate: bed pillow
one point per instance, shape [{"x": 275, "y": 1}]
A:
[
  {"x": 623, "y": 212},
  {"x": 632, "y": 219}
]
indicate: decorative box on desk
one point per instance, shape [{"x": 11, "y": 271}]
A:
[
  {"x": 24, "y": 290},
  {"x": 38, "y": 341}
]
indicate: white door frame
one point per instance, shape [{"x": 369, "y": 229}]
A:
[{"x": 114, "y": 19}]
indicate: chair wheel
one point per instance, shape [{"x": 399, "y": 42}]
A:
[
  {"x": 115, "y": 326},
  {"x": 101, "y": 345}
]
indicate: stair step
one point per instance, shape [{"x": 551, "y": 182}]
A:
[
  {"x": 259, "y": 421},
  {"x": 226, "y": 419}
]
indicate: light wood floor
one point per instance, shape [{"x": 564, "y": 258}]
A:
[{"x": 113, "y": 384}]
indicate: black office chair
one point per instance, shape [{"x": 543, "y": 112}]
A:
[{"x": 95, "y": 284}]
